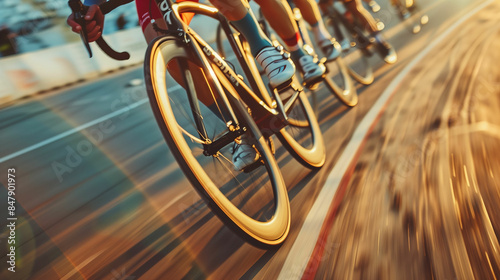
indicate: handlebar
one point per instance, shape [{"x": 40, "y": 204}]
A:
[{"x": 79, "y": 10}]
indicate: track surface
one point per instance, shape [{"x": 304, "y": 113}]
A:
[{"x": 101, "y": 197}]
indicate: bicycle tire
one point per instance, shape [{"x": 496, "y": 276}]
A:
[{"x": 223, "y": 199}]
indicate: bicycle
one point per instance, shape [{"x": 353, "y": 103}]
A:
[
  {"x": 339, "y": 85},
  {"x": 253, "y": 203}
]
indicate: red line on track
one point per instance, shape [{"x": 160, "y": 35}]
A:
[{"x": 317, "y": 255}]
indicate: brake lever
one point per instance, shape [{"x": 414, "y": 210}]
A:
[{"x": 79, "y": 10}]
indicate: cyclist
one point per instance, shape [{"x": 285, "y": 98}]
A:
[
  {"x": 276, "y": 63},
  {"x": 355, "y": 7}
]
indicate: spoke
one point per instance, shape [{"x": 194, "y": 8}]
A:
[
  {"x": 230, "y": 171},
  {"x": 296, "y": 121},
  {"x": 193, "y": 138}
]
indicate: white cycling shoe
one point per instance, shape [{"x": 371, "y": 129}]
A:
[
  {"x": 312, "y": 70},
  {"x": 244, "y": 154},
  {"x": 331, "y": 49},
  {"x": 277, "y": 66}
]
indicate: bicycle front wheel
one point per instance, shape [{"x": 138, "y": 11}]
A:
[
  {"x": 302, "y": 136},
  {"x": 253, "y": 203}
]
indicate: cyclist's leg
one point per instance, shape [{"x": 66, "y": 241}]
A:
[
  {"x": 310, "y": 11},
  {"x": 276, "y": 64},
  {"x": 279, "y": 16}
]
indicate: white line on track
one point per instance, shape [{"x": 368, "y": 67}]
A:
[
  {"x": 298, "y": 257},
  {"x": 73, "y": 131}
]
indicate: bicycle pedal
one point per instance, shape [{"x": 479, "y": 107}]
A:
[
  {"x": 283, "y": 86},
  {"x": 313, "y": 84}
]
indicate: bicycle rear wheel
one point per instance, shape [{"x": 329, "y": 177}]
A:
[
  {"x": 302, "y": 136},
  {"x": 254, "y": 203}
]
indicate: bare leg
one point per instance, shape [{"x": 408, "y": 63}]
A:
[
  {"x": 274, "y": 11},
  {"x": 233, "y": 10},
  {"x": 309, "y": 10}
]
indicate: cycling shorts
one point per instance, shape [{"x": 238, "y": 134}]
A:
[{"x": 143, "y": 8}]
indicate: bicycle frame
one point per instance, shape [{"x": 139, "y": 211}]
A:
[{"x": 268, "y": 113}]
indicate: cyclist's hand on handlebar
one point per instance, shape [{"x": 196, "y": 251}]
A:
[{"x": 94, "y": 21}]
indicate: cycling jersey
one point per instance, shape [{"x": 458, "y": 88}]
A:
[{"x": 143, "y": 11}]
